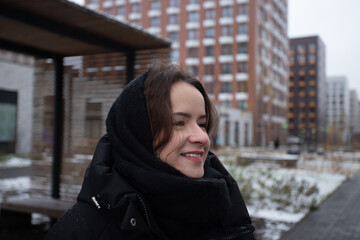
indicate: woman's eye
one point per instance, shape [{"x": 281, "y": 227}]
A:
[
  {"x": 202, "y": 125},
  {"x": 179, "y": 123}
]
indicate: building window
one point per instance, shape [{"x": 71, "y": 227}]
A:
[
  {"x": 209, "y": 32},
  {"x": 136, "y": 22},
  {"x": 155, "y": 22},
  {"x": 174, "y": 55},
  {"x": 193, "y": 1},
  {"x": 312, "y": 46},
  {"x": 242, "y": 67},
  {"x": 155, "y": 5},
  {"x": 174, "y": 36},
  {"x": 121, "y": 11},
  {"x": 135, "y": 8},
  {"x": 236, "y": 134},
  {"x": 242, "y": 86},
  {"x": 301, "y": 58},
  {"x": 109, "y": 11},
  {"x": 193, "y": 70},
  {"x": 94, "y": 1},
  {"x": 242, "y": 48},
  {"x": 193, "y": 17},
  {"x": 300, "y": 47},
  {"x": 246, "y": 133},
  {"x": 93, "y": 120},
  {"x": 226, "y": 68},
  {"x": 243, "y": 9},
  {"x": 227, "y": 12},
  {"x": 174, "y": 3},
  {"x": 209, "y": 69},
  {"x": 312, "y": 57},
  {"x": 226, "y": 50},
  {"x": 242, "y": 105},
  {"x": 193, "y": 52},
  {"x": 226, "y": 87},
  {"x": 209, "y": 87},
  {"x": 174, "y": 19},
  {"x": 226, "y": 30},
  {"x": 243, "y": 28},
  {"x": 209, "y": 51},
  {"x": 227, "y": 133},
  {"x": 193, "y": 34},
  {"x": 210, "y": 14}
]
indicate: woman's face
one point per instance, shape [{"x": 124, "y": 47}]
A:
[{"x": 189, "y": 144}]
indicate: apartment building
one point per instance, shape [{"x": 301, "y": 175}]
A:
[
  {"x": 237, "y": 48},
  {"x": 338, "y": 109},
  {"x": 354, "y": 116},
  {"x": 307, "y": 90}
]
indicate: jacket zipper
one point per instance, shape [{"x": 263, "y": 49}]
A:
[
  {"x": 147, "y": 217},
  {"x": 145, "y": 210},
  {"x": 241, "y": 234}
]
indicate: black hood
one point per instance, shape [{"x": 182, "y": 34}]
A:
[{"x": 124, "y": 162}]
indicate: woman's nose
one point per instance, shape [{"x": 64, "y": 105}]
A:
[{"x": 198, "y": 135}]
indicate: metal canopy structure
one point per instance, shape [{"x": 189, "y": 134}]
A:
[
  {"x": 46, "y": 27},
  {"x": 59, "y": 28}
]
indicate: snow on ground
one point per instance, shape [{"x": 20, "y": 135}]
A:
[
  {"x": 14, "y": 187},
  {"x": 15, "y": 162},
  {"x": 276, "y": 197}
]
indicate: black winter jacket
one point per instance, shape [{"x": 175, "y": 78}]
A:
[{"x": 128, "y": 193}]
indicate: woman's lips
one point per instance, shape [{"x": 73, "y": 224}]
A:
[{"x": 193, "y": 156}]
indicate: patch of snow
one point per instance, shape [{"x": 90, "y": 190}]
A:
[
  {"x": 14, "y": 186},
  {"x": 15, "y": 162}
]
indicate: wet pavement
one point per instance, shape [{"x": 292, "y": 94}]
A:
[
  {"x": 14, "y": 172},
  {"x": 338, "y": 218}
]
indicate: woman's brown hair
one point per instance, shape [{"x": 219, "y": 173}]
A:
[{"x": 158, "y": 83}]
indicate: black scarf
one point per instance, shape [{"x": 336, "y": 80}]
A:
[{"x": 185, "y": 208}]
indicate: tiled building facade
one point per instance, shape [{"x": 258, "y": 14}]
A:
[
  {"x": 338, "y": 109},
  {"x": 238, "y": 48},
  {"x": 307, "y": 90}
]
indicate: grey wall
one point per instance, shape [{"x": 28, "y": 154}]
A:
[{"x": 20, "y": 77}]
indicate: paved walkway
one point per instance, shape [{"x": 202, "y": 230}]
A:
[{"x": 338, "y": 218}]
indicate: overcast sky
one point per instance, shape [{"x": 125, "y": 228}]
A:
[{"x": 337, "y": 23}]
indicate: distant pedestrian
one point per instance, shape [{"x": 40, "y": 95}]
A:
[
  {"x": 152, "y": 175},
  {"x": 277, "y": 143}
]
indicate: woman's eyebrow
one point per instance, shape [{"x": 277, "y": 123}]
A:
[{"x": 186, "y": 115}]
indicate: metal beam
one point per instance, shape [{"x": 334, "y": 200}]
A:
[
  {"x": 58, "y": 127},
  {"x": 19, "y": 48},
  {"x": 61, "y": 29},
  {"x": 130, "y": 64}
]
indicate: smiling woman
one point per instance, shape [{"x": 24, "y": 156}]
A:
[{"x": 152, "y": 175}]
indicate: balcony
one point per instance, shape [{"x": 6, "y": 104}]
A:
[
  {"x": 291, "y": 105},
  {"x": 301, "y": 84},
  {"x": 290, "y": 94},
  {"x": 312, "y": 104},
  {"x": 312, "y": 94},
  {"x": 312, "y": 83},
  {"x": 302, "y": 104},
  {"x": 312, "y": 115},
  {"x": 312, "y": 62},
  {"x": 291, "y": 84},
  {"x": 301, "y": 94},
  {"x": 312, "y": 72},
  {"x": 290, "y": 115},
  {"x": 301, "y": 73}
]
